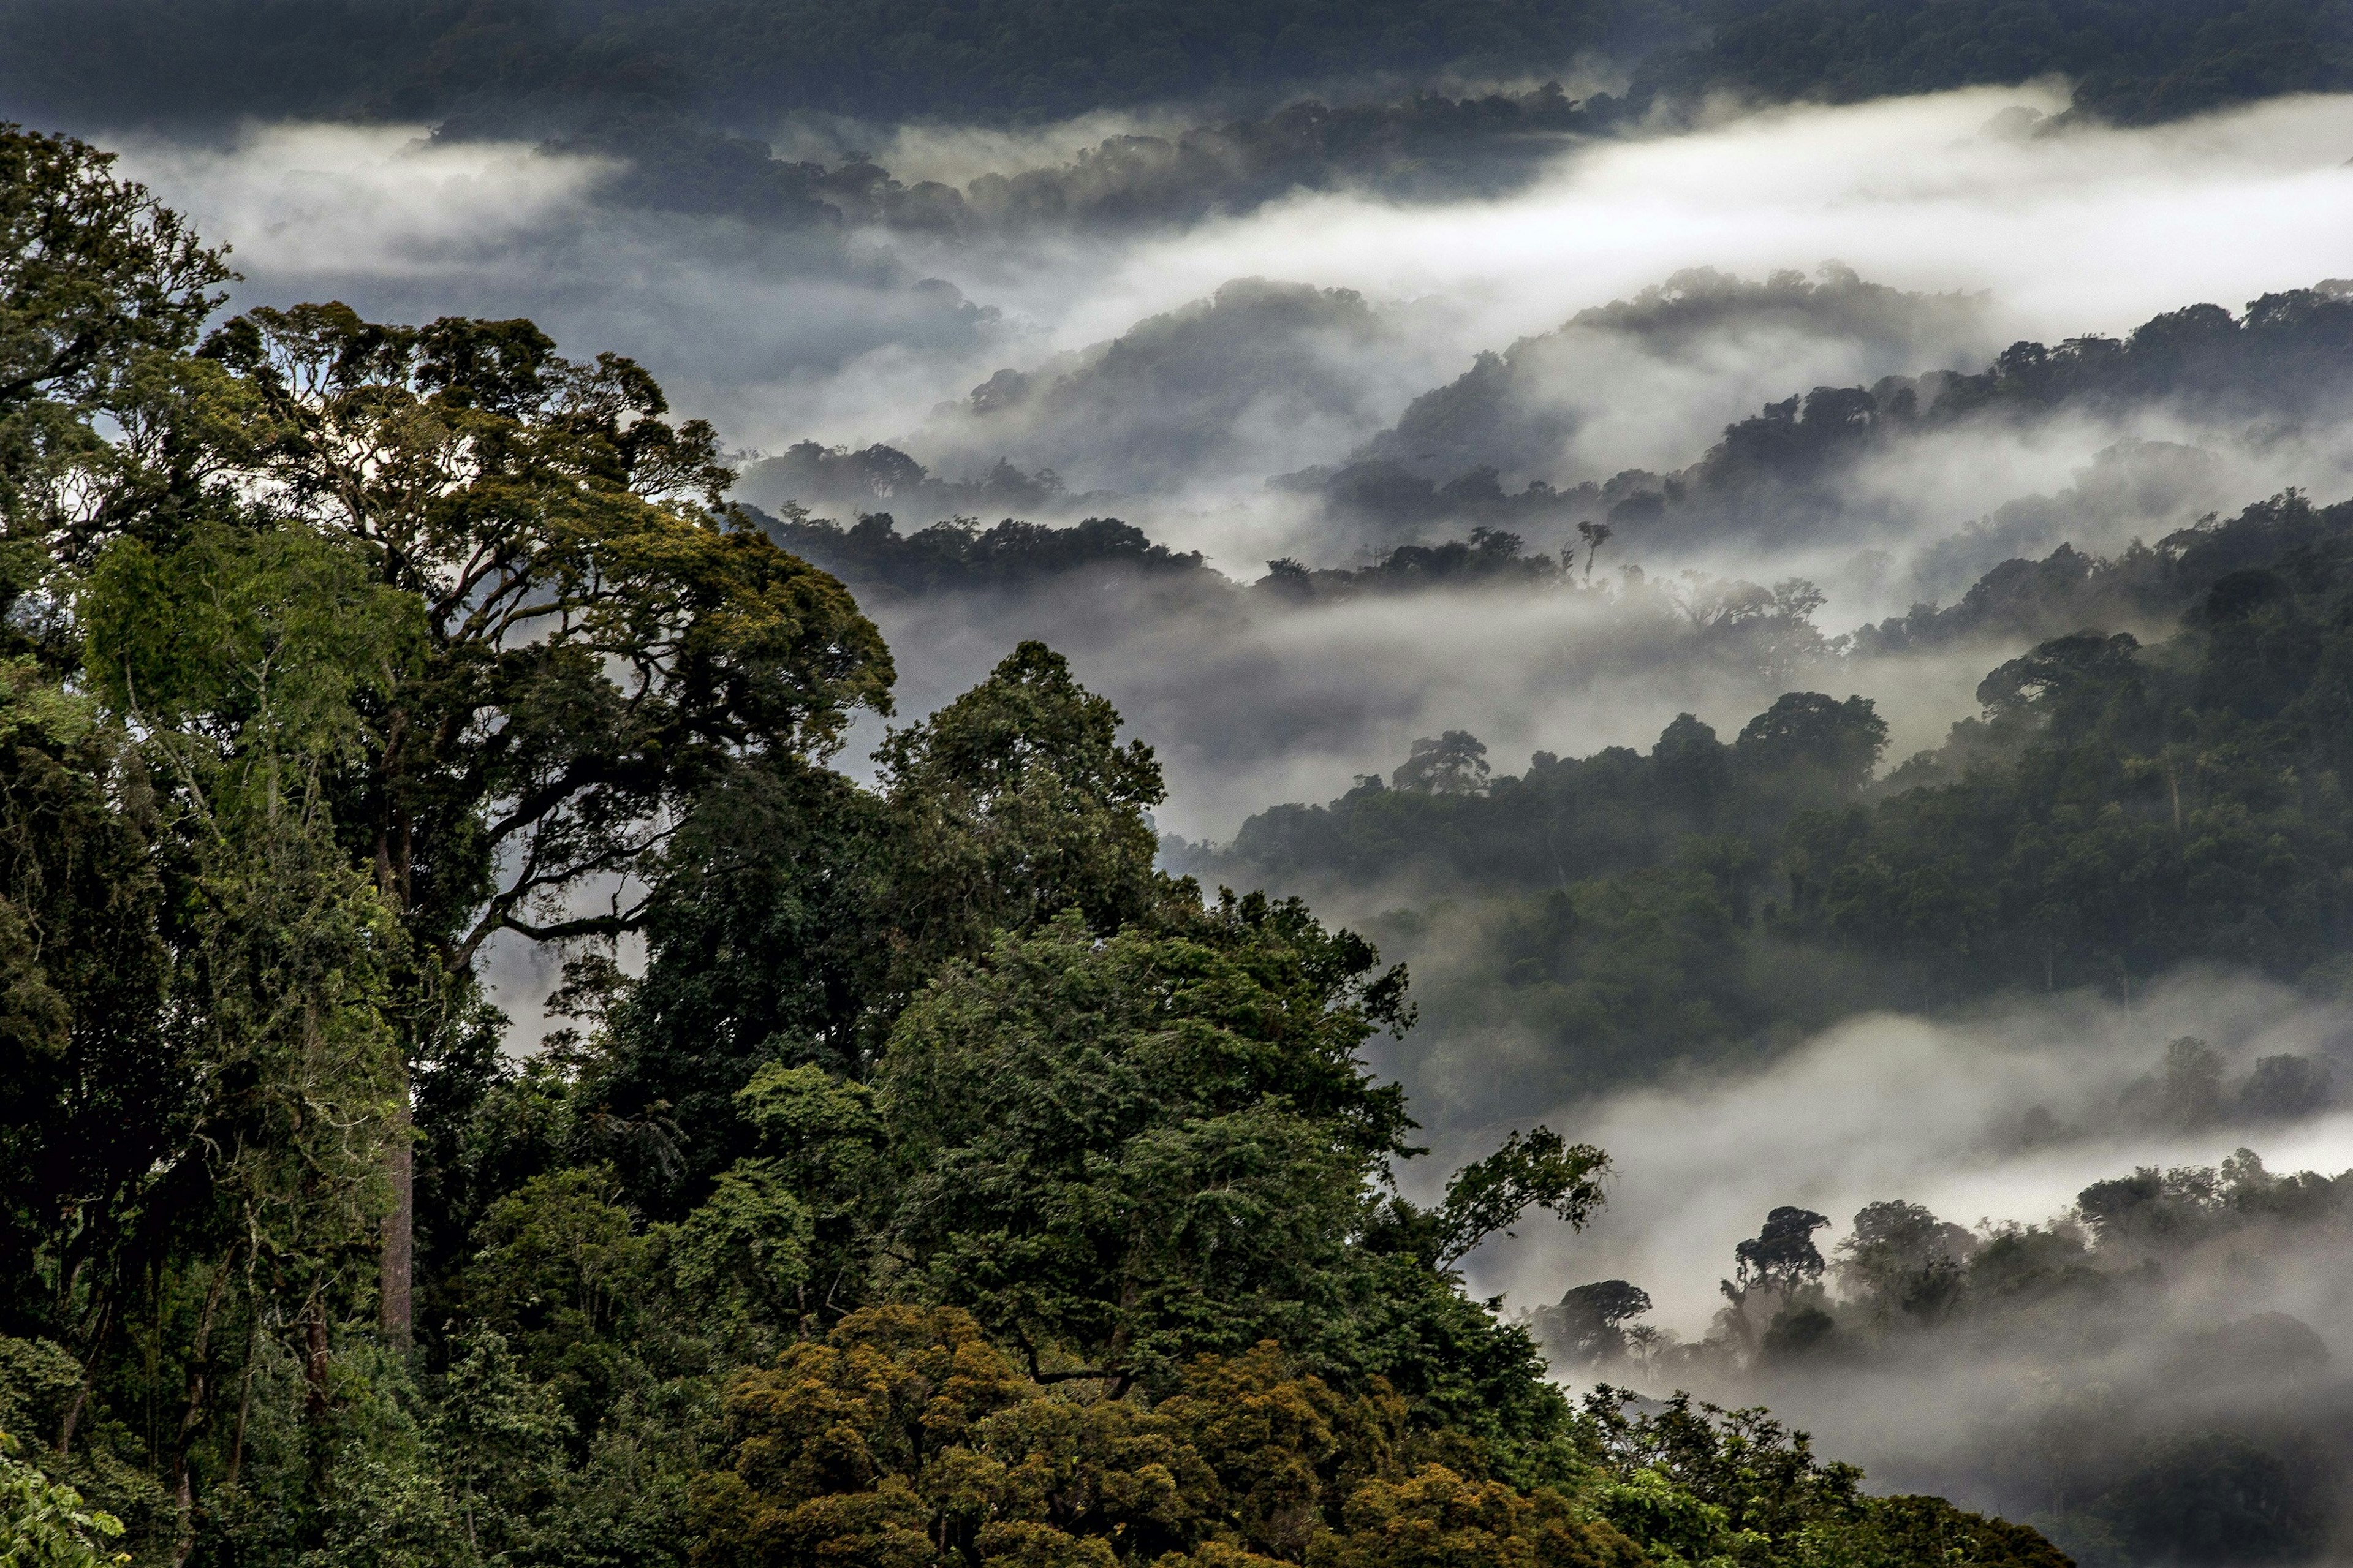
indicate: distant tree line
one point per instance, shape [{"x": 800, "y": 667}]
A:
[
  {"x": 2161, "y": 1425},
  {"x": 1777, "y": 472},
  {"x": 2115, "y": 810},
  {"x": 959, "y": 555},
  {"x": 879, "y": 478}
]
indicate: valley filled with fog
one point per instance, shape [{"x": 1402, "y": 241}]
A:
[
  {"x": 1616, "y": 313},
  {"x": 1793, "y": 620},
  {"x": 1638, "y": 296}
]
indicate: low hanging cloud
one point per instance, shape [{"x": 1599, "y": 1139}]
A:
[
  {"x": 371, "y": 203},
  {"x": 1929, "y": 1110},
  {"x": 2082, "y": 1392},
  {"x": 759, "y": 329},
  {"x": 785, "y": 334},
  {"x": 1582, "y": 402},
  {"x": 2090, "y": 229},
  {"x": 1258, "y": 377},
  {"x": 1250, "y": 701}
]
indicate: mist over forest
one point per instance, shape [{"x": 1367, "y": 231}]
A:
[{"x": 1557, "y": 784}]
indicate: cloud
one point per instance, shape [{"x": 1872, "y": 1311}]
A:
[
  {"x": 784, "y": 335},
  {"x": 1998, "y": 1407},
  {"x": 1895, "y": 1106},
  {"x": 2090, "y": 230},
  {"x": 1258, "y": 377},
  {"x": 1248, "y": 701},
  {"x": 860, "y": 336},
  {"x": 764, "y": 331}
]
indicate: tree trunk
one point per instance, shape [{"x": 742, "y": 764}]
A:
[
  {"x": 397, "y": 1272},
  {"x": 315, "y": 1357},
  {"x": 244, "y": 1391},
  {"x": 193, "y": 1414},
  {"x": 399, "y": 1269},
  {"x": 88, "y": 1382}
]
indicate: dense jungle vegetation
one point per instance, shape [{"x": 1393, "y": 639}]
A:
[{"x": 952, "y": 1185}]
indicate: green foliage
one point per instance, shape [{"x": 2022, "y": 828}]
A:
[
  {"x": 94, "y": 1084},
  {"x": 1017, "y": 802},
  {"x": 1436, "y": 1517},
  {"x": 2219, "y": 1498},
  {"x": 1742, "y": 1476},
  {"x": 745, "y": 1251},
  {"x": 1542, "y": 1171},
  {"x": 1565, "y": 821},
  {"x": 765, "y": 943},
  {"x": 1700, "y": 1484},
  {"x": 44, "y": 1524},
  {"x": 564, "y": 1273},
  {"x": 874, "y": 558},
  {"x": 1781, "y": 1255},
  {"x": 1901, "y": 1257},
  {"x": 1146, "y": 1147},
  {"x": 100, "y": 285},
  {"x": 590, "y": 652},
  {"x": 2132, "y": 1453},
  {"x": 793, "y": 914},
  {"x": 2115, "y": 810},
  {"x": 2155, "y": 805},
  {"x": 499, "y": 1439},
  {"x": 1895, "y": 1531},
  {"x": 830, "y": 1146},
  {"x": 382, "y": 640},
  {"x": 235, "y": 628},
  {"x": 1584, "y": 1326}
]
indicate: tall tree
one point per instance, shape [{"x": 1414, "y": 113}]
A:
[
  {"x": 1014, "y": 802},
  {"x": 240, "y": 658},
  {"x": 594, "y": 642},
  {"x": 795, "y": 914},
  {"x": 100, "y": 285}
]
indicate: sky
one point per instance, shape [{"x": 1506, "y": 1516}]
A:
[{"x": 780, "y": 337}]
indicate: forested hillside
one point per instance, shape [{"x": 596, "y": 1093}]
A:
[
  {"x": 1784, "y": 473},
  {"x": 950, "y": 1187},
  {"x": 2115, "y": 810}
]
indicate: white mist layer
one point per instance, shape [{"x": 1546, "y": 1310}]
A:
[
  {"x": 1251, "y": 704},
  {"x": 1900, "y": 1107},
  {"x": 366, "y": 201},
  {"x": 2092, "y": 230},
  {"x": 779, "y": 337}
]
